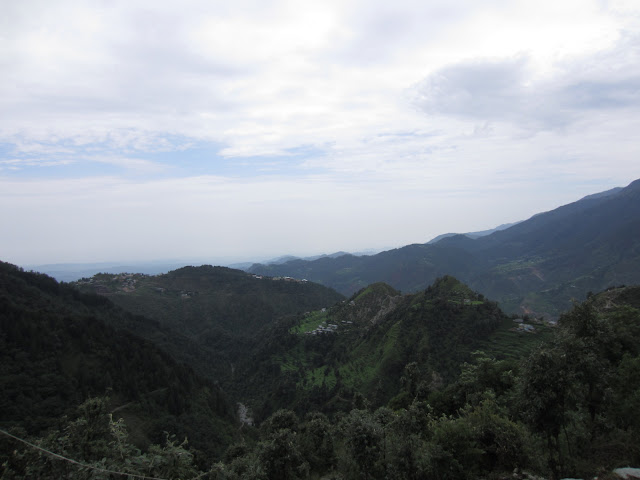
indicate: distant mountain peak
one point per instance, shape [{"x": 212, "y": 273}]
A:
[
  {"x": 473, "y": 235},
  {"x": 378, "y": 289},
  {"x": 449, "y": 286},
  {"x": 607, "y": 193}
]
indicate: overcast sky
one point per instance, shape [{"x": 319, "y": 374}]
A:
[{"x": 140, "y": 130}]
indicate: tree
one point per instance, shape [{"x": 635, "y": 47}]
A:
[
  {"x": 546, "y": 398},
  {"x": 280, "y": 457},
  {"x": 280, "y": 420},
  {"x": 94, "y": 444},
  {"x": 316, "y": 442},
  {"x": 363, "y": 441}
]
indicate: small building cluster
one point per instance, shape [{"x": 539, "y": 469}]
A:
[
  {"x": 285, "y": 279},
  {"x": 324, "y": 328},
  {"x": 523, "y": 327},
  {"x": 128, "y": 282},
  {"x": 526, "y": 327},
  {"x": 105, "y": 284}
]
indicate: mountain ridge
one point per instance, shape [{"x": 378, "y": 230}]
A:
[
  {"x": 536, "y": 266},
  {"x": 481, "y": 233}
]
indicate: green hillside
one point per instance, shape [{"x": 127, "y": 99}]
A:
[
  {"x": 198, "y": 299},
  {"x": 363, "y": 344},
  {"x": 58, "y": 347},
  {"x": 207, "y": 315},
  {"x": 553, "y": 401}
]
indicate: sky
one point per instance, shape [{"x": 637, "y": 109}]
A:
[{"x": 149, "y": 130}]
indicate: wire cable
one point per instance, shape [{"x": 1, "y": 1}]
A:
[{"x": 84, "y": 465}]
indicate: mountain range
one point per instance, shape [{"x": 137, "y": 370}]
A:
[{"x": 534, "y": 267}]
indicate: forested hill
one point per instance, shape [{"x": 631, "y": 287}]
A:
[
  {"x": 207, "y": 315},
  {"x": 200, "y": 300},
  {"x": 58, "y": 348},
  {"x": 568, "y": 409},
  {"x": 363, "y": 345},
  {"x": 537, "y": 266}
]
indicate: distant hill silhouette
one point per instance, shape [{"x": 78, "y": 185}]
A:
[{"x": 536, "y": 266}]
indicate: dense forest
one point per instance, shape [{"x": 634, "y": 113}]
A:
[
  {"x": 58, "y": 349},
  {"x": 361, "y": 346},
  {"x": 207, "y": 315},
  {"x": 439, "y": 384}
]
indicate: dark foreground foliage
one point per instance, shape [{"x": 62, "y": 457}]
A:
[{"x": 570, "y": 408}]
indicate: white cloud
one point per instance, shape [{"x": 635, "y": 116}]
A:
[
  {"x": 507, "y": 89},
  {"x": 260, "y": 77}
]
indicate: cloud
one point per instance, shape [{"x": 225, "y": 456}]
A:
[
  {"x": 483, "y": 90},
  {"x": 19, "y": 163},
  {"x": 261, "y": 78},
  {"x": 509, "y": 90}
]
